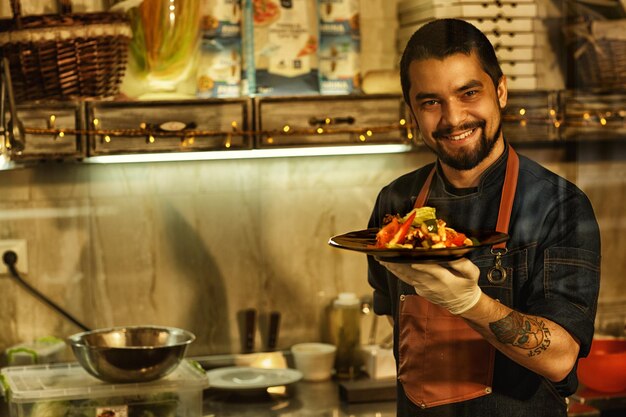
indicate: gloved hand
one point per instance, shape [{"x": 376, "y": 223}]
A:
[{"x": 453, "y": 285}]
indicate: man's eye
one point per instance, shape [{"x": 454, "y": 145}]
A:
[
  {"x": 471, "y": 93},
  {"x": 429, "y": 103}
]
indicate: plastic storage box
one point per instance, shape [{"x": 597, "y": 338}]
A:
[{"x": 67, "y": 390}]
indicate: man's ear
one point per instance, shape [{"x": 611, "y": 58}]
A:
[{"x": 502, "y": 92}]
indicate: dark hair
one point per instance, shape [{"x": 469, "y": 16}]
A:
[{"x": 442, "y": 38}]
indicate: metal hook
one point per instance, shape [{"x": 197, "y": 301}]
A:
[
  {"x": 14, "y": 128},
  {"x": 498, "y": 270}
]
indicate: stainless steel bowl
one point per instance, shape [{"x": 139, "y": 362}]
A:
[{"x": 131, "y": 354}]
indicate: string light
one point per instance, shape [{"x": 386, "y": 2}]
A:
[
  {"x": 286, "y": 128},
  {"x": 522, "y": 111},
  {"x": 362, "y": 138},
  {"x": 95, "y": 122},
  {"x": 107, "y": 138},
  {"x": 369, "y": 133},
  {"x": 61, "y": 134},
  {"x": 402, "y": 122},
  {"x": 320, "y": 130}
]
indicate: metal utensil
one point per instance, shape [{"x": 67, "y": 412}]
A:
[
  {"x": 131, "y": 354},
  {"x": 272, "y": 336}
]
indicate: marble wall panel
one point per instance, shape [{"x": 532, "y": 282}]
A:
[{"x": 193, "y": 244}]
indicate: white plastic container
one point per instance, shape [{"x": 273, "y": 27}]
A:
[{"x": 68, "y": 390}]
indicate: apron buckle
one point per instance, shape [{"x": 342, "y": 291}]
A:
[{"x": 497, "y": 274}]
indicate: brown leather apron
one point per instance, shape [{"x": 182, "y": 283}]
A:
[{"x": 442, "y": 360}]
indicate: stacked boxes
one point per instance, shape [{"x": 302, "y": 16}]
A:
[
  {"x": 520, "y": 31},
  {"x": 219, "y": 71},
  {"x": 339, "y": 46}
]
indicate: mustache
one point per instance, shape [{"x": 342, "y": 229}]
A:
[{"x": 447, "y": 131}]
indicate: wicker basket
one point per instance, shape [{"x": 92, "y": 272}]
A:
[
  {"x": 66, "y": 56},
  {"x": 597, "y": 52}
]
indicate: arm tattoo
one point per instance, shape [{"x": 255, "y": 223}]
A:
[{"x": 525, "y": 332}]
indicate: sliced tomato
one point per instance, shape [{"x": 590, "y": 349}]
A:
[
  {"x": 458, "y": 240},
  {"x": 387, "y": 233},
  {"x": 400, "y": 235}
]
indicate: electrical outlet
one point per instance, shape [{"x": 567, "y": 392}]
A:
[{"x": 19, "y": 247}]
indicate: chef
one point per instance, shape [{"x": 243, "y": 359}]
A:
[{"x": 498, "y": 332}]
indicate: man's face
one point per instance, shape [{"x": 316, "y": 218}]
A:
[{"x": 457, "y": 108}]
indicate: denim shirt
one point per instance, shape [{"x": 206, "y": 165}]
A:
[{"x": 552, "y": 259}]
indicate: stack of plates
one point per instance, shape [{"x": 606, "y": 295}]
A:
[{"x": 517, "y": 29}]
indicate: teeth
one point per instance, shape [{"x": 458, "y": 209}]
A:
[{"x": 462, "y": 136}]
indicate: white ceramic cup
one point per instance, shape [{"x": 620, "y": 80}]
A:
[{"x": 314, "y": 360}]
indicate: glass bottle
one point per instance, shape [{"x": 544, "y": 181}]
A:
[{"x": 345, "y": 333}]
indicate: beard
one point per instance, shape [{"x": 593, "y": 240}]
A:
[{"x": 466, "y": 159}]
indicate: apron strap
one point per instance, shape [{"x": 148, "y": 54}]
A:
[{"x": 506, "y": 201}]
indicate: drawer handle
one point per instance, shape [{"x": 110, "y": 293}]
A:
[
  {"x": 172, "y": 126},
  {"x": 315, "y": 121}
]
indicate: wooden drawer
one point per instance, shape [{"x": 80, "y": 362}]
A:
[
  {"x": 532, "y": 116},
  {"x": 183, "y": 126},
  {"x": 42, "y": 142},
  {"x": 331, "y": 120}
]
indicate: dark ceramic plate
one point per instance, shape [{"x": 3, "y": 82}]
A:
[{"x": 364, "y": 241}]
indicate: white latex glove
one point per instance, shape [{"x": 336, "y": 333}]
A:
[{"x": 453, "y": 285}]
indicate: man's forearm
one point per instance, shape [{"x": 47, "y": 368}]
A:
[{"x": 534, "y": 342}]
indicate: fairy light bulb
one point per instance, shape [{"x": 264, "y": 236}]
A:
[
  {"x": 320, "y": 130},
  {"x": 586, "y": 116},
  {"x": 286, "y": 128},
  {"x": 522, "y": 111},
  {"x": 409, "y": 135},
  {"x": 369, "y": 133},
  {"x": 95, "y": 122},
  {"x": 402, "y": 122},
  {"x": 61, "y": 134},
  {"x": 362, "y": 138},
  {"x": 602, "y": 121},
  {"x": 233, "y": 124},
  {"x": 270, "y": 140},
  {"x": 327, "y": 121},
  {"x": 107, "y": 139}
]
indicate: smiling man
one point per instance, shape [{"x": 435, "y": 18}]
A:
[{"x": 497, "y": 333}]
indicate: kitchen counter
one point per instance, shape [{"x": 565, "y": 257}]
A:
[
  {"x": 317, "y": 399},
  {"x": 311, "y": 399}
]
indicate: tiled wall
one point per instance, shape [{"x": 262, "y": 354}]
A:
[{"x": 191, "y": 244}]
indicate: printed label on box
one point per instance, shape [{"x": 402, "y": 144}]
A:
[
  {"x": 219, "y": 70},
  {"x": 285, "y": 46},
  {"x": 339, "y": 64},
  {"x": 339, "y": 17},
  {"x": 221, "y": 18}
]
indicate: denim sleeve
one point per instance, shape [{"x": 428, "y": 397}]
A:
[
  {"x": 569, "y": 269},
  {"x": 571, "y": 286}
]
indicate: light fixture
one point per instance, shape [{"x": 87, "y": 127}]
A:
[{"x": 250, "y": 154}]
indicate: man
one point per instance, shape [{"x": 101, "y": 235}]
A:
[{"x": 497, "y": 333}]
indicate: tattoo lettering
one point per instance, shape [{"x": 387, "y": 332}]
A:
[{"x": 522, "y": 331}]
